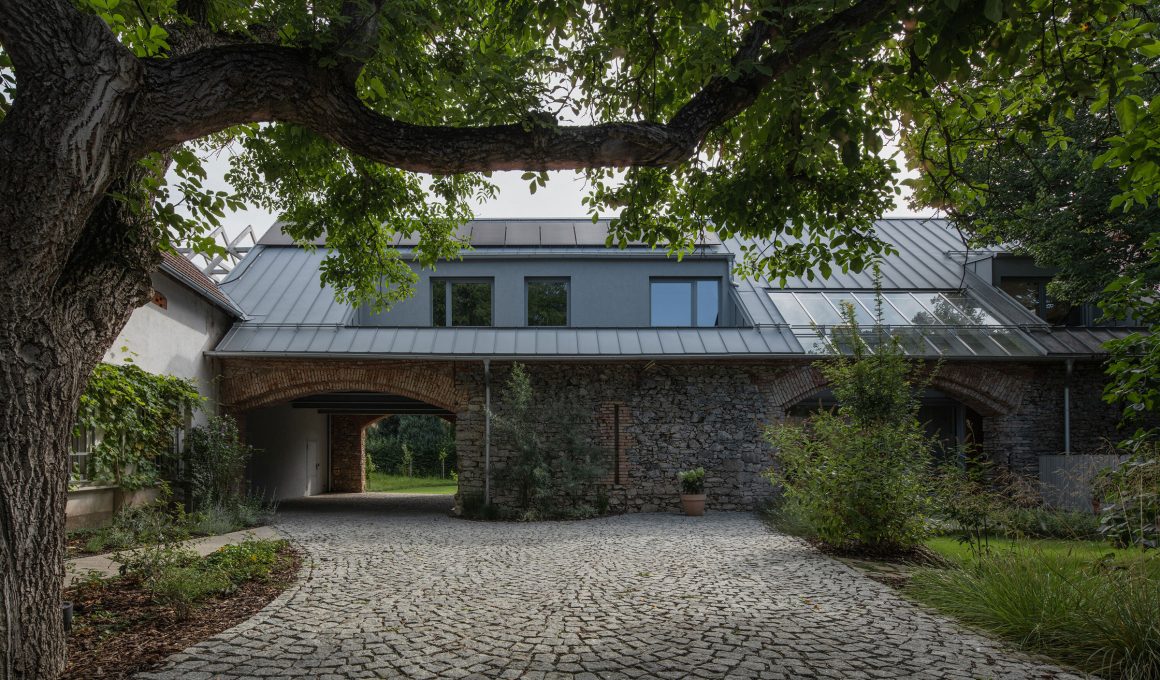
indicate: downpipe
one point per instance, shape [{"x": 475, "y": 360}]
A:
[{"x": 487, "y": 432}]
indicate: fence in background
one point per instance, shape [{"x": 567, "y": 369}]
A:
[{"x": 1065, "y": 481}]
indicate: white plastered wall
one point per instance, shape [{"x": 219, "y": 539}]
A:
[{"x": 293, "y": 456}]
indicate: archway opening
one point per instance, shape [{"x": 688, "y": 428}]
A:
[
  {"x": 316, "y": 443},
  {"x": 956, "y": 428},
  {"x": 411, "y": 453}
]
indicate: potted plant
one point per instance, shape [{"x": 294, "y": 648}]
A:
[{"x": 693, "y": 491}]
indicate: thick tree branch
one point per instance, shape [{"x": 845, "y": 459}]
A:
[
  {"x": 722, "y": 99},
  {"x": 38, "y": 35},
  {"x": 201, "y": 93},
  {"x": 190, "y": 97}
]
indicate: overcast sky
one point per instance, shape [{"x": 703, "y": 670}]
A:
[{"x": 560, "y": 198}]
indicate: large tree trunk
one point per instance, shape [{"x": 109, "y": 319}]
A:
[
  {"x": 38, "y": 391},
  {"x": 50, "y": 340}
]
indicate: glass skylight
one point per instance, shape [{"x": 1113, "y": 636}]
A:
[{"x": 934, "y": 323}]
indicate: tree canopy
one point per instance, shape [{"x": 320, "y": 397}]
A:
[
  {"x": 1050, "y": 202},
  {"x": 749, "y": 119},
  {"x": 364, "y": 119}
]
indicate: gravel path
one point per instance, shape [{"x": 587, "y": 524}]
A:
[{"x": 393, "y": 587}]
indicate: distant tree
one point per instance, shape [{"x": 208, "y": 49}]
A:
[
  {"x": 1050, "y": 202},
  {"x": 430, "y": 440}
]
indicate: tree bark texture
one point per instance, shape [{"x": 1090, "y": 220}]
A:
[{"x": 75, "y": 262}]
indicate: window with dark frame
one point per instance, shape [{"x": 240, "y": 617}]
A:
[
  {"x": 80, "y": 449},
  {"x": 1031, "y": 292},
  {"x": 684, "y": 303},
  {"x": 547, "y": 302},
  {"x": 461, "y": 302}
]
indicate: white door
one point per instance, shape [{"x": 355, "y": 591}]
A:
[{"x": 313, "y": 480}]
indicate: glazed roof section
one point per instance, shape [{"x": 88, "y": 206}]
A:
[{"x": 290, "y": 312}]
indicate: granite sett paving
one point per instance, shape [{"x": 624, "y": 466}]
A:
[{"x": 393, "y": 587}]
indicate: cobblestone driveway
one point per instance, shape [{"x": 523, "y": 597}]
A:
[{"x": 395, "y": 588}]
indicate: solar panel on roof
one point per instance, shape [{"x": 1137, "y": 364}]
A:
[
  {"x": 558, "y": 234},
  {"x": 523, "y": 234},
  {"x": 588, "y": 234},
  {"x": 488, "y": 234}
]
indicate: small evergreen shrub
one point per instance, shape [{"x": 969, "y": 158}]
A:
[
  {"x": 555, "y": 467},
  {"x": 856, "y": 478}
]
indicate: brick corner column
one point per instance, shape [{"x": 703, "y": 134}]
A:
[{"x": 348, "y": 464}]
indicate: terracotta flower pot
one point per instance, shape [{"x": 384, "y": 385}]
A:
[{"x": 693, "y": 504}]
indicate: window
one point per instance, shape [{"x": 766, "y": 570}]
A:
[
  {"x": 685, "y": 303},
  {"x": 1031, "y": 292},
  {"x": 80, "y": 448},
  {"x": 547, "y": 302},
  {"x": 461, "y": 302}
]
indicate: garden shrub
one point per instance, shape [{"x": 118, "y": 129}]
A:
[
  {"x": 856, "y": 478},
  {"x": 1101, "y": 617},
  {"x": 245, "y": 561},
  {"x": 555, "y": 466},
  {"x": 1131, "y": 512},
  {"x": 213, "y": 520},
  {"x": 217, "y": 461},
  {"x": 977, "y": 500},
  {"x": 159, "y": 521},
  {"x": 216, "y": 473},
  {"x": 181, "y": 588},
  {"x": 177, "y": 578},
  {"x": 1049, "y": 523}
]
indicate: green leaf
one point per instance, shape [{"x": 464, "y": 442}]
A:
[
  {"x": 1127, "y": 113},
  {"x": 993, "y": 10}
]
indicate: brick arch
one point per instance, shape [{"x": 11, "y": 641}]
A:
[
  {"x": 249, "y": 384},
  {"x": 788, "y": 387},
  {"x": 987, "y": 390}
]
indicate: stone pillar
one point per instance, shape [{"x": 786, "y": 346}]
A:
[{"x": 348, "y": 463}]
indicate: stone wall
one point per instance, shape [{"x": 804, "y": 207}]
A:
[
  {"x": 668, "y": 417},
  {"x": 658, "y": 418},
  {"x": 1035, "y": 426}
]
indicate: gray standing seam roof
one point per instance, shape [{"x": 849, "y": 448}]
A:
[
  {"x": 930, "y": 257},
  {"x": 290, "y": 312},
  {"x": 506, "y": 232},
  {"x": 250, "y": 339}
]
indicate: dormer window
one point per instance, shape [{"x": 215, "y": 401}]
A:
[
  {"x": 461, "y": 302},
  {"x": 685, "y": 302},
  {"x": 547, "y": 302},
  {"x": 1031, "y": 292}
]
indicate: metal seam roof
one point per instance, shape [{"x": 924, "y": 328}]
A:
[{"x": 279, "y": 287}]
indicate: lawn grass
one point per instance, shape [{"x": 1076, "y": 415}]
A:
[
  {"x": 1086, "y": 551},
  {"x": 1080, "y": 602},
  {"x": 382, "y": 482}
]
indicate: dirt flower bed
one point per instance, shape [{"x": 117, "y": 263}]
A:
[{"x": 121, "y": 626}]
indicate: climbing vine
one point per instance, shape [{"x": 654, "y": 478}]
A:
[{"x": 134, "y": 414}]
